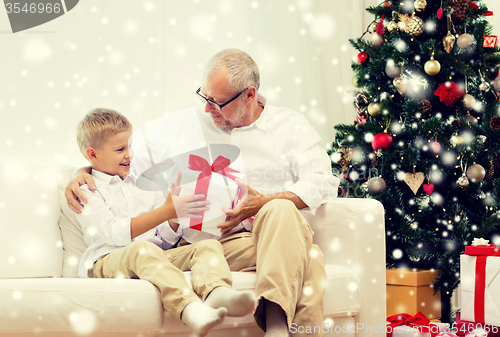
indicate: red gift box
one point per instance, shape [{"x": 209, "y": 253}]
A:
[
  {"x": 464, "y": 327},
  {"x": 490, "y": 41}
]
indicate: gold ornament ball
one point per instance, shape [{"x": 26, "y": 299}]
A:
[
  {"x": 469, "y": 101},
  {"x": 376, "y": 185},
  {"x": 456, "y": 140},
  {"x": 374, "y": 109},
  {"x": 496, "y": 84},
  {"x": 355, "y": 80},
  {"x": 415, "y": 26},
  {"x": 476, "y": 173},
  {"x": 420, "y": 5},
  {"x": 464, "y": 41},
  {"x": 392, "y": 26},
  {"x": 432, "y": 67},
  {"x": 372, "y": 26}
]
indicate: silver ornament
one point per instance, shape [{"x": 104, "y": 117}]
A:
[
  {"x": 496, "y": 84},
  {"x": 463, "y": 181},
  {"x": 484, "y": 86},
  {"x": 376, "y": 185},
  {"x": 481, "y": 139},
  {"x": 476, "y": 173}
]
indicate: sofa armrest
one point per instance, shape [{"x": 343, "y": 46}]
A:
[{"x": 351, "y": 233}]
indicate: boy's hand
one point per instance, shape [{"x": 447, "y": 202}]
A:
[
  {"x": 190, "y": 206},
  {"x": 73, "y": 192}
]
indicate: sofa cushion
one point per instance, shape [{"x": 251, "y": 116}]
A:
[
  {"x": 126, "y": 306},
  {"x": 73, "y": 244},
  {"x": 30, "y": 240}
]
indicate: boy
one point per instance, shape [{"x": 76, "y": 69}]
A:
[{"x": 127, "y": 232}]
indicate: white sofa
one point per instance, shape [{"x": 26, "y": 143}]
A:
[{"x": 41, "y": 295}]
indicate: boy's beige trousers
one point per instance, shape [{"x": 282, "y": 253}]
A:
[{"x": 163, "y": 268}]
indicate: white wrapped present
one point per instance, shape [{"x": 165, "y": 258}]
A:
[
  {"x": 216, "y": 179},
  {"x": 157, "y": 142},
  {"x": 480, "y": 287}
]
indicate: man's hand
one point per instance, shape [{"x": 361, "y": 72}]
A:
[
  {"x": 252, "y": 202},
  {"x": 73, "y": 192}
]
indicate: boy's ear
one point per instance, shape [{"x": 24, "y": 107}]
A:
[{"x": 91, "y": 154}]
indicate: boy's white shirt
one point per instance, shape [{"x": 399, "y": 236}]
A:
[{"x": 105, "y": 220}]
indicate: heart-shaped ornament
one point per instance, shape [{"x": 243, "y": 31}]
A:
[
  {"x": 436, "y": 147},
  {"x": 414, "y": 180},
  {"x": 428, "y": 188},
  {"x": 401, "y": 83}
]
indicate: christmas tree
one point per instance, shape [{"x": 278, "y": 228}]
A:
[{"x": 426, "y": 141}]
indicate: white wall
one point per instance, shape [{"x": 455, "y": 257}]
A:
[{"x": 144, "y": 58}]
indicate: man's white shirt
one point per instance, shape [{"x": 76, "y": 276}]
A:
[{"x": 281, "y": 151}]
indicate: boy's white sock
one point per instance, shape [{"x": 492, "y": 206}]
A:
[
  {"x": 237, "y": 303},
  {"x": 201, "y": 318},
  {"x": 276, "y": 325}
]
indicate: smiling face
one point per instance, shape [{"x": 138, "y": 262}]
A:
[
  {"x": 231, "y": 116},
  {"x": 113, "y": 157}
]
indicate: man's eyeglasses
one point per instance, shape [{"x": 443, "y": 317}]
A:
[{"x": 214, "y": 105}]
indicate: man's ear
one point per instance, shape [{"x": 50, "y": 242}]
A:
[
  {"x": 92, "y": 154},
  {"x": 251, "y": 94}
]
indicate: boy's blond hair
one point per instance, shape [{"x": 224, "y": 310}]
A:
[{"x": 97, "y": 126}]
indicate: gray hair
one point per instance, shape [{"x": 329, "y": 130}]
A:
[{"x": 242, "y": 71}]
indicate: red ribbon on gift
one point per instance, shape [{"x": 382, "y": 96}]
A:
[
  {"x": 419, "y": 321},
  {"x": 488, "y": 250},
  {"x": 197, "y": 163},
  {"x": 482, "y": 253}
]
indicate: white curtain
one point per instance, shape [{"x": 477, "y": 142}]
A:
[{"x": 145, "y": 58}]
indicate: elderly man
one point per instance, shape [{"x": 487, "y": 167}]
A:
[{"x": 287, "y": 169}]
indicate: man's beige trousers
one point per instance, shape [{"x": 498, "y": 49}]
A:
[{"x": 290, "y": 268}]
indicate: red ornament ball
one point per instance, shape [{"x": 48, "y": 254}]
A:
[
  {"x": 381, "y": 140},
  {"x": 363, "y": 58}
]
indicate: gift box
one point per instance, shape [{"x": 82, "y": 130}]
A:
[
  {"x": 490, "y": 41},
  {"x": 405, "y": 325},
  {"x": 158, "y": 141},
  {"x": 175, "y": 143},
  {"x": 464, "y": 327},
  {"x": 214, "y": 178},
  {"x": 480, "y": 285},
  {"x": 411, "y": 291}
]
